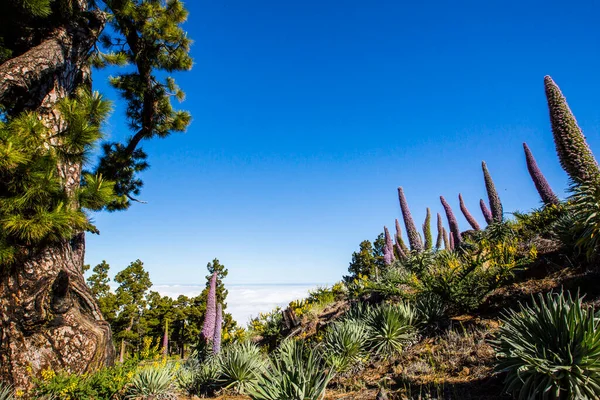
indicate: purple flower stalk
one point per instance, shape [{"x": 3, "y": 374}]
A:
[
  {"x": 494, "y": 199},
  {"x": 541, "y": 184},
  {"x": 399, "y": 240},
  {"x": 216, "y": 348},
  {"x": 455, "y": 238},
  {"x": 446, "y": 241},
  {"x": 388, "y": 248},
  {"x": 467, "y": 214},
  {"x": 401, "y": 254},
  {"x": 486, "y": 212},
  {"x": 165, "y": 341},
  {"x": 427, "y": 231},
  {"x": 208, "y": 328},
  {"x": 574, "y": 154},
  {"x": 411, "y": 230},
  {"x": 440, "y": 234}
]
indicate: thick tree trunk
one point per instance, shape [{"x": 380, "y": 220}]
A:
[{"x": 49, "y": 317}]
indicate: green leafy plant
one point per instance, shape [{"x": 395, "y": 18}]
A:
[
  {"x": 6, "y": 392},
  {"x": 390, "y": 328},
  {"x": 345, "y": 344},
  {"x": 199, "y": 378},
  {"x": 296, "y": 373},
  {"x": 240, "y": 365},
  {"x": 551, "y": 348},
  {"x": 152, "y": 383},
  {"x": 430, "y": 309},
  {"x": 585, "y": 211}
]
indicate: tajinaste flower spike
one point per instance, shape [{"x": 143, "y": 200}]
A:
[
  {"x": 411, "y": 230},
  {"x": 216, "y": 348},
  {"x": 455, "y": 238},
  {"x": 446, "y": 241},
  {"x": 574, "y": 154},
  {"x": 427, "y": 231},
  {"x": 165, "y": 341},
  {"x": 208, "y": 329},
  {"x": 541, "y": 184},
  {"x": 467, "y": 214},
  {"x": 440, "y": 228},
  {"x": 399, "y": 238},
  {"x": 487, "y": 214},
  {"x": 388, "y": 248},
  {"x": 399, "y": 252},
  {"x": 494, "y": 199}
]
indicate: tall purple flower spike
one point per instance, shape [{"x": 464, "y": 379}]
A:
[
  {"x": 411, "y": 230},
  {"x": 455, "y": 238},
  {"x": 440, "y": 229},
  {"x": 541, "y": 184},
  {"x": 388, "y": 248},
  {"x": 399, "y": 240},
  {"x": 427, "y": 231},
  {"x": 216, "y": 348},
  {"x": 493, "y": 198},
  {"x": 165, "y": 341},
  {"x": 208, "y": 329},
  {"x": 487, "y": 214},
  {"x": 467, "y": 214},
  {"x": 446, "y": 241},
  {"x": 574, "y": 154}
]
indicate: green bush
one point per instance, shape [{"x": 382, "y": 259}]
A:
[
  {"x": 390, "y": 328},
  {"x": 6, "y": 392},
  {"x": 551, "y": 349},
  {"x": 240, "y": 366},
  {"x": 199, "y": 378},
  {"x": 296, "y": 373},
  {"x": 430, "y": 309},
  {"x": 152, "y": 383},
  {"x": 585, "y": 210},
  {"x": 345, "y": 344}
]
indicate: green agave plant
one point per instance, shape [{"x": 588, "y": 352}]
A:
[
  {"x": 551, "y": 349},
  {"x": 296, "y": 373},
  {"x": 6, "y": 392},
  {"x": 390, "y": 328},
  {"x": 345, "y": 344},
  {"x": 152, "y": 384},
  {"x": 241, "y": 364},
  {"x": 199, "y": 378}
]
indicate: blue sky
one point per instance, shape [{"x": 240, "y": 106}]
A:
[{"x": 307, "y": 115}]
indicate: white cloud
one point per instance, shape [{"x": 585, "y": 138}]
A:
[{"x": 246, "y": 301}]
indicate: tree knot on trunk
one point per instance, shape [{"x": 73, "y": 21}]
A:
[{"x": 60, "y": 300}]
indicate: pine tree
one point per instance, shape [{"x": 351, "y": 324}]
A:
[
  {"x": 99, "y": 285},
  {"x": 411, "y": 230},
  {"x": 455, "y": 237},
  {"x": 467, "y": 214},
  {"x": 50, "y": 121},
  {"x": 574, "y": 154},
  {"x": 539, "y": 180},
  {"x": 427, "y": 231},
  {"x": 494, "y": 199}
]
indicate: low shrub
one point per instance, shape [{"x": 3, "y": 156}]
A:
[
  {"x": 551, "y": 348},
  {"x": 6, "y": 392},
  {"x": 199, "y": 378},
  {"x": 152, "y": 383},
  {"x": 240, "y": 365},
  {"x": 430, "y": 309},
  {"x": 295, "y": 373}
]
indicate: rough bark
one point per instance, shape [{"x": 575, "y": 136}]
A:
[{"x": 49, "y": 317}]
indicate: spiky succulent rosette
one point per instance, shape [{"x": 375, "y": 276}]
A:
[
  {"x": 446, "y": 240},
  {"x": 440, "y": 229},
  {"x": 539, "y": 180},
  {"x": 388, "y": 248},
  {"x": 427, "y": 231},
  {"x": 487, "y": 214},
  {"x": 455, "y": 238},
  {"x": 414, "y": 240},
  {"x": 467, "y": 214},
  {"x": 399, "y": 239},
  {"x": 208, "y": 329},
  {"x": 216, "y": 348},
  {"x": 493, "y": 198},
  {"x": 574, "y": 154}
]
